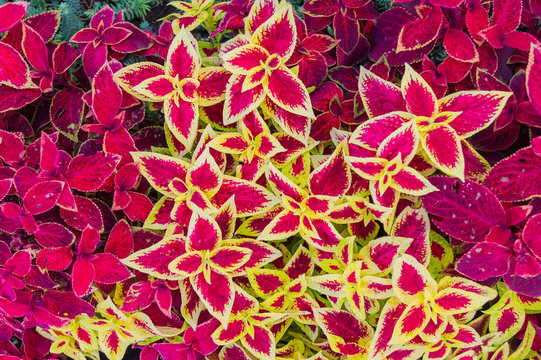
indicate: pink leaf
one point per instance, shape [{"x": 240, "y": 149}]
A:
[
  {"x": 250, "y": 199},
  {"x": 419, "y": 96},
  {"x": 277, "y": 35},
  {"x": 378, "y": 95},
  {"x": 217, "y": 295}
]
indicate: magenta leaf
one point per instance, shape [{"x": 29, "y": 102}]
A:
[
  {"x": 120, "y": 241},
  {"x": 11, "y": 147},
  {"x": 67, "y": 112},
  {"x": 13, "y": 69},
  {"x": 464, "y": 210},
  {"x": 484, "y": 261},
  {"x": 11, "y": 14},
  {"x": 42, "y": 197},
  {"x": 87, "y": 213},
  {"x": 53, "y": 235},
  {"x": 88, "y": 173},
  {"x": 109, "y": 270},
  {"x": 517, "y": 177}
]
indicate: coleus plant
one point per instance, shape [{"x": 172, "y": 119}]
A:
[
  {"x": 349, "y": 180},
  {"x": 108, "y": 35}
]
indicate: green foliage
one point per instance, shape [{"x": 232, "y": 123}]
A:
[
  {"x": 133, "y": 9},
  {"x": 382, "y": 5},
  {"x": 438, "y": 54},
  {"x": 297, "y": 4},
  {"x": 37, "y": 7},
  {"x": 71, "y": 12},
  {"x": 145, "y": 25},
  {"x": 132, "y": 59}
]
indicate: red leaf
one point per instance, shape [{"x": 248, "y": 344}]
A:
[
  {"x": 82, "y": 276},
  {"x": 106, "y": 97},
  {"x": 13, "y": 99},
  {"x": 88, "y": 173},
  {"x": 55, "y": 259},
  {"x": 67, "y": 112},
  {"x": 11, "y": 146},
  {"x": 89, "y": 241},
  {"x": 11, "y": 14},
  {"x": 332, "y": 178},
  {"x": 34, "y": 49},
  {"x": 459, "y": 45},
  {"x": 477, "y": 20},
  {"x": 42, "y": 196},
  {"x": 88, "y": 214},
  {"x": 66, "y": 304},
  {"x": 533, "y": 77},
  {"x": 109, "y": 270},
  {"x": 120, "y": 242},
  {"x": 140, "y": 295},
  {"x": 507, "y": 13},
  {"x": 53, "y": 235},
  {"x": 63, "y": 57},
  {"x": 19, "y": 263},
  {"x": 139, "y": 207},
  {"x": 346, "y": 31},
  {"x": 46, "y": 24},
  {"x": 13, "y": 69},
  {"x": 416, "y": 34}
]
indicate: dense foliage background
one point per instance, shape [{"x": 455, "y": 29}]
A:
[{"x": 329, "y": 179}]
